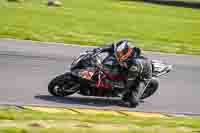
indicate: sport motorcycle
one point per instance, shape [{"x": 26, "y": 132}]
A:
[{"x": 94, "y": 74}]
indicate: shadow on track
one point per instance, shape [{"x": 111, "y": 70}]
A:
[{"x": 86, "y": 101}]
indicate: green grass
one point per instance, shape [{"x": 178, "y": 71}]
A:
[
  {"x": 152, "y": 27},
  {"x": 28, "y": 121}
]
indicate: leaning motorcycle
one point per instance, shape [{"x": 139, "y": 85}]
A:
[{"x": 91, "y": 74}]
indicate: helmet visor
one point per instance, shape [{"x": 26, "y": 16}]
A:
[{"x": 123, "y": 55}]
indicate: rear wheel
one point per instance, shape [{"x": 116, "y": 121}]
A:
[{"x": 63, "y": 85}]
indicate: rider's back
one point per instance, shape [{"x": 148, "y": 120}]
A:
[{"x": 140, "y": 67}]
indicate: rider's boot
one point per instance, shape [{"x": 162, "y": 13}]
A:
[{"x": 132, "y": 98}]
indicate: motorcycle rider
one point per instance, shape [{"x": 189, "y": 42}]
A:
[{"x": 138, "y": 70}]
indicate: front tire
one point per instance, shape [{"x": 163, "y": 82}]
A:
[
  {"x": 151, "y": 89},
  {"x": 62, "y": 85}
]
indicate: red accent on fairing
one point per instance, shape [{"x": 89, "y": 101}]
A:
[
  {"x": 115, "y": 77},
  {"x": 101, "y": 84}
]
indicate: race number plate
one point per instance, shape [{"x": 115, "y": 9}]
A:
[{"x": 87, "y": 74}]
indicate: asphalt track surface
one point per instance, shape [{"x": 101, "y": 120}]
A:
[{"x": 27, "y": 67}]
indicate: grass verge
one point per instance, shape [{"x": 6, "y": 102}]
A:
[
  {"x": 152, "y": 27},
  {"x": 28, "y": 121}
]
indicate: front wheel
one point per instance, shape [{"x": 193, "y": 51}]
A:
[
  {"x": 151, "y": 88},
  {"x": 63, "y": 85}
]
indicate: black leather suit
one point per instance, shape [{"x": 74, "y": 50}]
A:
[{"x": 139, "y": 72}]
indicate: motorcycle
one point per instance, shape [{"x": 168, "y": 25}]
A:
[{"x": 94, "y": 74}]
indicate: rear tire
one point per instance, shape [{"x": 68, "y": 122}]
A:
[{"x": 61, "y": 85}]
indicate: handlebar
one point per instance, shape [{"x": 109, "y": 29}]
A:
[{"x": 167, "y": 70}]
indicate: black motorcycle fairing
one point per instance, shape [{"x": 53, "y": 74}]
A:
[{"x": 82, "y": 62}]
